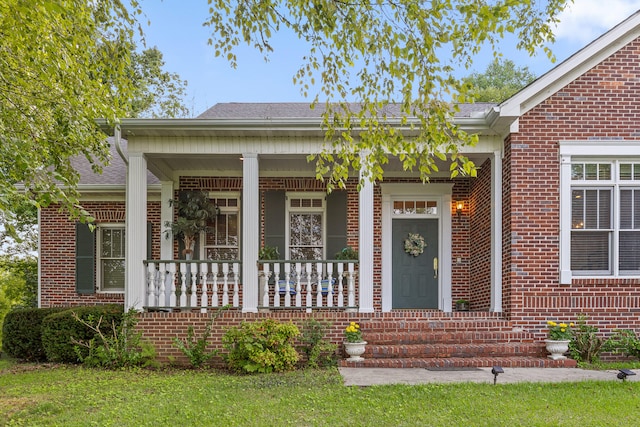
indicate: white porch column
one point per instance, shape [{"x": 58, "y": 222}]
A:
[
  {"x": 251, "y": 232},
  {"x": 136, "y": 232},
  {"x": 365, "y": 275},
  {"x": 496, "y": 232},
  {"x": 166, "y": 215}
]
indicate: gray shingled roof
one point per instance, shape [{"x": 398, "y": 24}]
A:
[
  {"x": 290, "y": 110},
  {"x": 114, "y": 174}
]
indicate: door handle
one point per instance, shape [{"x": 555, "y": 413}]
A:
[{"x": 435, "y": 268}]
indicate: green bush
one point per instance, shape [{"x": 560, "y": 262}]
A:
[
  {"x": 319, "y": 351},
  {"x": 61, "y": 332},
  {"x": 196, "y": 348},
  {"x": 624, "y": 341},
  {"x": 22, "y": 333},
  {"x": 120, "y": 346},
  {"x": 265, "y": 346},
  {"x": 585, "y": 345}
]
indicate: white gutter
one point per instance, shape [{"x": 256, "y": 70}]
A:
[{"x": 117, "y": 136}]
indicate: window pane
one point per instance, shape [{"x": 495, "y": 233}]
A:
[
  {"x": 577, "y": 171},
  {"x": 306, "y": 253},
  {"x": 604, "y": 214},
  {"x": 591, "y": 171},
  {"x": 591, "y": 209},
  {"x": 626, "y": 203},
  {"x": 577, "y": 209},
  {"x": 630, "y": 251},
  {"x": 112, "y": 274},
  {"x": 604, "y": 171},
  {"x": 625, "y": 171},
  {"x": 590, "y": 251}
]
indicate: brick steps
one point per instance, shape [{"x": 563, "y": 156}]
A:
[{"x": 449, "y": 341}]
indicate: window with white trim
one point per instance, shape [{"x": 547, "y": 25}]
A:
[
  {"x": 110, "y": 257},
  {"x": 222, "y": 240},
  {"x": 605, "y": 218},
  {"x": 306, "y": 226}
]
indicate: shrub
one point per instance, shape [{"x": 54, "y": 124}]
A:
[
  {"x": 319, "y": 352},
  {"x": 61, "y": 331},
  {"x": 22, "y": 333},
  {"x": 196, "y": 349},
  {"x": 265, "y": 346},
  {"x": 624, "y": 341},
  {"x": 585, "y": 345},
  {"x": 120, "y": 346}
]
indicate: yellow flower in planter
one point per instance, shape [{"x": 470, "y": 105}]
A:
[
  {"x": 559, "y": 331},
  {"x": 353, "y": 332}
]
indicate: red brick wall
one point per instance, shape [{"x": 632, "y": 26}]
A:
[
  {"x": 479, "y": 242},
  {"x": 600, "y": 105},
  {"x": 58, "y": 251}
]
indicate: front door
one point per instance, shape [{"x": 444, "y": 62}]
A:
[{"x": 415, "y": 278}]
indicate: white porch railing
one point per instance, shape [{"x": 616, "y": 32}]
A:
[
  {"x": 307, "y": 284},
  {"x": 188, "y": 284}
]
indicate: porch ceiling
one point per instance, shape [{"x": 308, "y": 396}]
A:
[{"x": 172, "y": 166}]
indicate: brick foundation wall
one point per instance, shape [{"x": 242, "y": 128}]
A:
[{"x": 600, "y": 105}]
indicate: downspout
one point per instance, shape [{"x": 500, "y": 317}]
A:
[{"x": 117, "y": 136}]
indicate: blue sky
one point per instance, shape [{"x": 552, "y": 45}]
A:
[{"x": 176, "y": 29}]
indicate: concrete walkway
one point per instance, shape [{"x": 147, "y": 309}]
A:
[{"x": 380, "y": 376}]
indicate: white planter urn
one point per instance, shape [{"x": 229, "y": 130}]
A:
[
  {"x": 557, "y": 349},
  {"x": 355, "y": 350}
]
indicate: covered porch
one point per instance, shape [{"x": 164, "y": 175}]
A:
[{"x": 251, "y": 159}]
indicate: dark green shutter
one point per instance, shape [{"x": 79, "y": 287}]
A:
[
  {"x": 149, "y": 240},
  {"x": 336, "y": 223},
  {"x": 85, "y": 259},
  {"x": 274, "y": 221}
]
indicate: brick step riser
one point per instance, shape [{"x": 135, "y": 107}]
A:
[
  {"x": 454, "y": 350},
  {"x": 390, "y": 338},
  {"x": 454, "y": 326}
]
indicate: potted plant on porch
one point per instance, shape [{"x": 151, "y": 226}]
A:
[
  {"x": 462, "y": 305},
  {"x": 559, "y": 338},
  {"x": 354, "y": 345},
  {"x": 195, "y": 210}
]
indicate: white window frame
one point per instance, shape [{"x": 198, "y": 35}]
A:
[
  {"x": 321, "y": 210},
  {"x": 99, "y": 258},
  {"x": 614, "y": 152},
  {"x": 225, "y": 209}
]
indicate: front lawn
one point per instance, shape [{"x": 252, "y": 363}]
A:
[{"x": 46, "y": 395}]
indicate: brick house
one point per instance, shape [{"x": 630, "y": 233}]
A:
[{"x": 547, "y": 230}]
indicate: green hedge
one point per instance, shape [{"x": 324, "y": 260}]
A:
[
  {"x": 21, "y": 333},
  {"x": 60, "y": 329}
]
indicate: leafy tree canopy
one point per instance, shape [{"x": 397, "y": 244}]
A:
[
  {"x": 381, "y": 52},
  {"x": 499, "y": 81},
  {"x": 64, "y": 64}
]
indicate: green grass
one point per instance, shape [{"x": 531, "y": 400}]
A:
[{"x": 46, "y": 395}]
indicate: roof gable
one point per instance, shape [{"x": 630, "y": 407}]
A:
[{"x": 567, "y": 71}]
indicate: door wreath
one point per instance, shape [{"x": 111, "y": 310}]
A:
[{"x": 414, "y": 244}]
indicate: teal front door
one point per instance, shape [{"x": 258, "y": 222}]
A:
[{"x": 415, "y": 278}]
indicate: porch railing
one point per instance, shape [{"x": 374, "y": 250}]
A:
[
  {"x": 307, "y": 284},
  {"x": 186, "y": 284}
]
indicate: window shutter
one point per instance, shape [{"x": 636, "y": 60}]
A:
[
  {"x": 274, "y": 221},
  {"x": 336, "y": 223},
  {"x": 149, "y": 240},
  {"x": 85, "y": 259}
]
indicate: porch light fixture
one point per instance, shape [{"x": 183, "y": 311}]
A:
[
  {"x": 459, "y": 206},
  {"x": 624, "y": 373},
  {"x": 495, "y": 371}
]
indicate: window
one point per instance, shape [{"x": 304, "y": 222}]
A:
[
  {"x": 605, "y": 218},
  {"x": 305, "y": 226},
  {"x": 110, "y": 257},
  {"x": 222, "y": 240}
]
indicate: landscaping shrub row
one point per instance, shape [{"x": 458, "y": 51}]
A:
[{"x": 50, "y": 334}]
